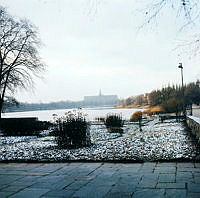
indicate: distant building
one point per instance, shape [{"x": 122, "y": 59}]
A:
[{"x": 101, "y": 100}]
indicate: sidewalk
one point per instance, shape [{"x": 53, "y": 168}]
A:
[
  {"x": 137, "y": 180},
  {"x": 196, "y": 111}
]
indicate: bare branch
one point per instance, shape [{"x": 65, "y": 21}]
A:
[{"x": 188, "y": 10}]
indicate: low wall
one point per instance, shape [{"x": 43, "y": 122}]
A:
[
  {"x": 22, "y": 118},
  {"x": 194, "y": 124}
]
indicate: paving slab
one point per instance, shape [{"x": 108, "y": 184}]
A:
[
  {"x": 193, "y": 195},
  {"x": 166, "y": 164},
  {"x": 5, "y": 194},
  {"x": 100, "y": 180},
  {"x": 30, "y": 192},
  {"x": 176, "y": 193},
  {"x": 59, "y": 193},
  {"x": 118, "y": 195},
  {"x": 165, "y": 169},
  {"x": 154, "y": 193},
  {"x": 167, "y": 178},
  {"x": 194, "y": 188},
  {"x": 171, "y": 185}
]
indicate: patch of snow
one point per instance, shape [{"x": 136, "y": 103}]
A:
[{"x": 163, "y": 141}]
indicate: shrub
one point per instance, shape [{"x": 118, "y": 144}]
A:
[
  {"x": 136, "y": 116},
  {"x": 172, "y": 106},
  {"x": 72, "y": 130},
  {"x": 23, "y": 126},
  {"x": 114, "y": 120},
  {"x": 100, "y": 119}
]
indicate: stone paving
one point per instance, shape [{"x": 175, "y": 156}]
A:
[{"x": 110, "y": 180}]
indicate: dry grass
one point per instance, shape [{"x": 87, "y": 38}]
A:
[
  {"x": 153, "y": 110},
  {"x": 132, "y": 106}
]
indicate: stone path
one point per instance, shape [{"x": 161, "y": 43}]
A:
[
  {"x": 196, "y": 112},
  {"x": 110, "y": 180}
]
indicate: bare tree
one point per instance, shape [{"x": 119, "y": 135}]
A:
[
  {"x": 19, "y": 57},
  {"x": 187, "y": 10}
]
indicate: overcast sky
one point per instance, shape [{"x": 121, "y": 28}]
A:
[{"x": 88, "y": 47}]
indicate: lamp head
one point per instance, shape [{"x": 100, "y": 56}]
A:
[{"x": 180, "y": 66}]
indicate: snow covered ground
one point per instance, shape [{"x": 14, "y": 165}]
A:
[{"x": 157, "y": 141}]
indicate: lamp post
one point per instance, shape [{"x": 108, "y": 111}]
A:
[{"x": 181, "y": 67}]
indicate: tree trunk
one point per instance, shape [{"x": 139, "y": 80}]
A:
[{"x": 1, "y": 107}]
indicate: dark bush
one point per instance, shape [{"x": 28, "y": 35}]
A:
[
  {"x": 114, "y": 120},
  {"x": 23, "y": 126},
  {"x": 72, "y": 131},
  {"x": 100, "y": 119}
]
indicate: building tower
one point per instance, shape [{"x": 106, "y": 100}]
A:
[{"x": 100, "y": 93}]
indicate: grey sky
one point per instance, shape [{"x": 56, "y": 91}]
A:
[{"x": 85, "y": 51}]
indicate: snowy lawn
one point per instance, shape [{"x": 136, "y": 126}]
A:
[{"x": 157, "y": 141}]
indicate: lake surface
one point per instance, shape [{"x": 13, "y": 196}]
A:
[{"x": 92, "y": 113}]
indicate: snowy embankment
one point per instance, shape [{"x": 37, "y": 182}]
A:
[
  {"x": 157, "y": 141},
  {"x": 196, "y": 119}
]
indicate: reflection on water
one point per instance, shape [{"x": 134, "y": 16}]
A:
[{"x": 92, "y": 113}]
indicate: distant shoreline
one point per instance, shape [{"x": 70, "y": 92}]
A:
[{"x": 132, "y": 107}]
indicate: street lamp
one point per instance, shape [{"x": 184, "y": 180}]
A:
[{"x": 181, "y": 67}]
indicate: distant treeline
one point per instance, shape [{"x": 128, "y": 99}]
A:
[
  {"x": 170, "y": 98},
  {"x": 21, "y": 106}
]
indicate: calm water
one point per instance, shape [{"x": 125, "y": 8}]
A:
[{"x": 46, "y": 115}]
